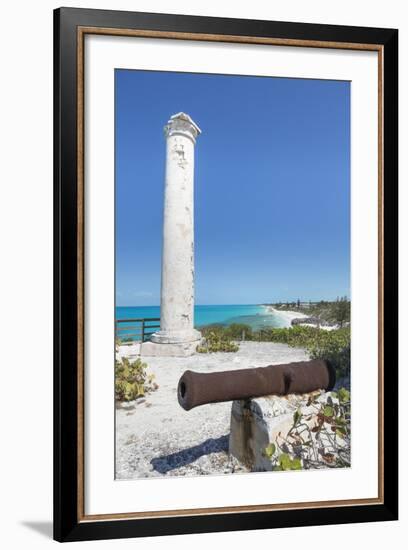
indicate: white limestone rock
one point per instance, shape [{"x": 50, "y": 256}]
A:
[{"x": 262, "y": 424}]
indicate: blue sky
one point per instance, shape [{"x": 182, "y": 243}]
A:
[{"x": 272, "y": 185}]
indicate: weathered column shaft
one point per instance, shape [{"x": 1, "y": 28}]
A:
[{"x": 177, "y": 279}]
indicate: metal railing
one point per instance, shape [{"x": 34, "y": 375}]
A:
[{"x": 139, "y": 330}]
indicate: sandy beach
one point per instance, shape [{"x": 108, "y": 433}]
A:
[
  {"x": 286, "y": 315},
  {"x": 155, "y": 437}
]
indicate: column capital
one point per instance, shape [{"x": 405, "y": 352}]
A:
[{"x": 182, "y": 124}]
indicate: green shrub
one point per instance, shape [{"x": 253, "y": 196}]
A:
[
  {"x": 216, "y": 339},
  {"x": 124, "y": 340},
  {"x": 340, "y": 311},
  {"x": 296, "y": 336},
  {"x": 236, "y": 331},
  {"x": 132, "y": 380},
  {"x": 321, "y": 437},
  {"x": 333, "y": 345},
  {"x": 215, "y": 328}
]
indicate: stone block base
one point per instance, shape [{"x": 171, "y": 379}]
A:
[
  {"x": 152, "y": 349},
  {"x": 266, "y": 421},
  {"x": 255, "y": 424}
]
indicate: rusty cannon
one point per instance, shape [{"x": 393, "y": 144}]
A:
[{"x": 196, "y": 388}]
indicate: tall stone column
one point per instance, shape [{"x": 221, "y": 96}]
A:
[{"x": 177, "y": 278}]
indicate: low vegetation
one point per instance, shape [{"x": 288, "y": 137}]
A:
[
  {"x": 132, "y": 380},
  {"x": 333, "y": 345},
  {"x": 217, "y": 338},
  {"x": 317, "y": 438}
]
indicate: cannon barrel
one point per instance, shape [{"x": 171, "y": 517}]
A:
[{"x": 196, "y": 388}]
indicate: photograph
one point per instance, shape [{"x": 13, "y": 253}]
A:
[
  {"x": 225, "y": 271},
  {"x": 232, "y": 318}
]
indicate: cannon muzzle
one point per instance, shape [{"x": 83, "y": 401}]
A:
[{"x": 196, "y": 388}]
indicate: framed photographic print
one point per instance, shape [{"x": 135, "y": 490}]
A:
[{"x": 225, "y": 274}]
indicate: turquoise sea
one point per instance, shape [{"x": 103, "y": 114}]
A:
[{"x": 256, "y": 316}]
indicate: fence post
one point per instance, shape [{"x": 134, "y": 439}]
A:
[{"x": 143, "y": 331}]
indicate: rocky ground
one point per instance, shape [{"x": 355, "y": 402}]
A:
[{"x": 155, "y": 437}]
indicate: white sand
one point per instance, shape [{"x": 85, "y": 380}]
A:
[
  {"x": 286, "y": 315},
  {"x": 156, "y": 437}
]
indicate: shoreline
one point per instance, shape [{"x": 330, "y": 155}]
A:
[
  {"x": 289, "y": 315},
  {"x": 284, "y": 318},
  {"x": 286, "y": 315}
]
